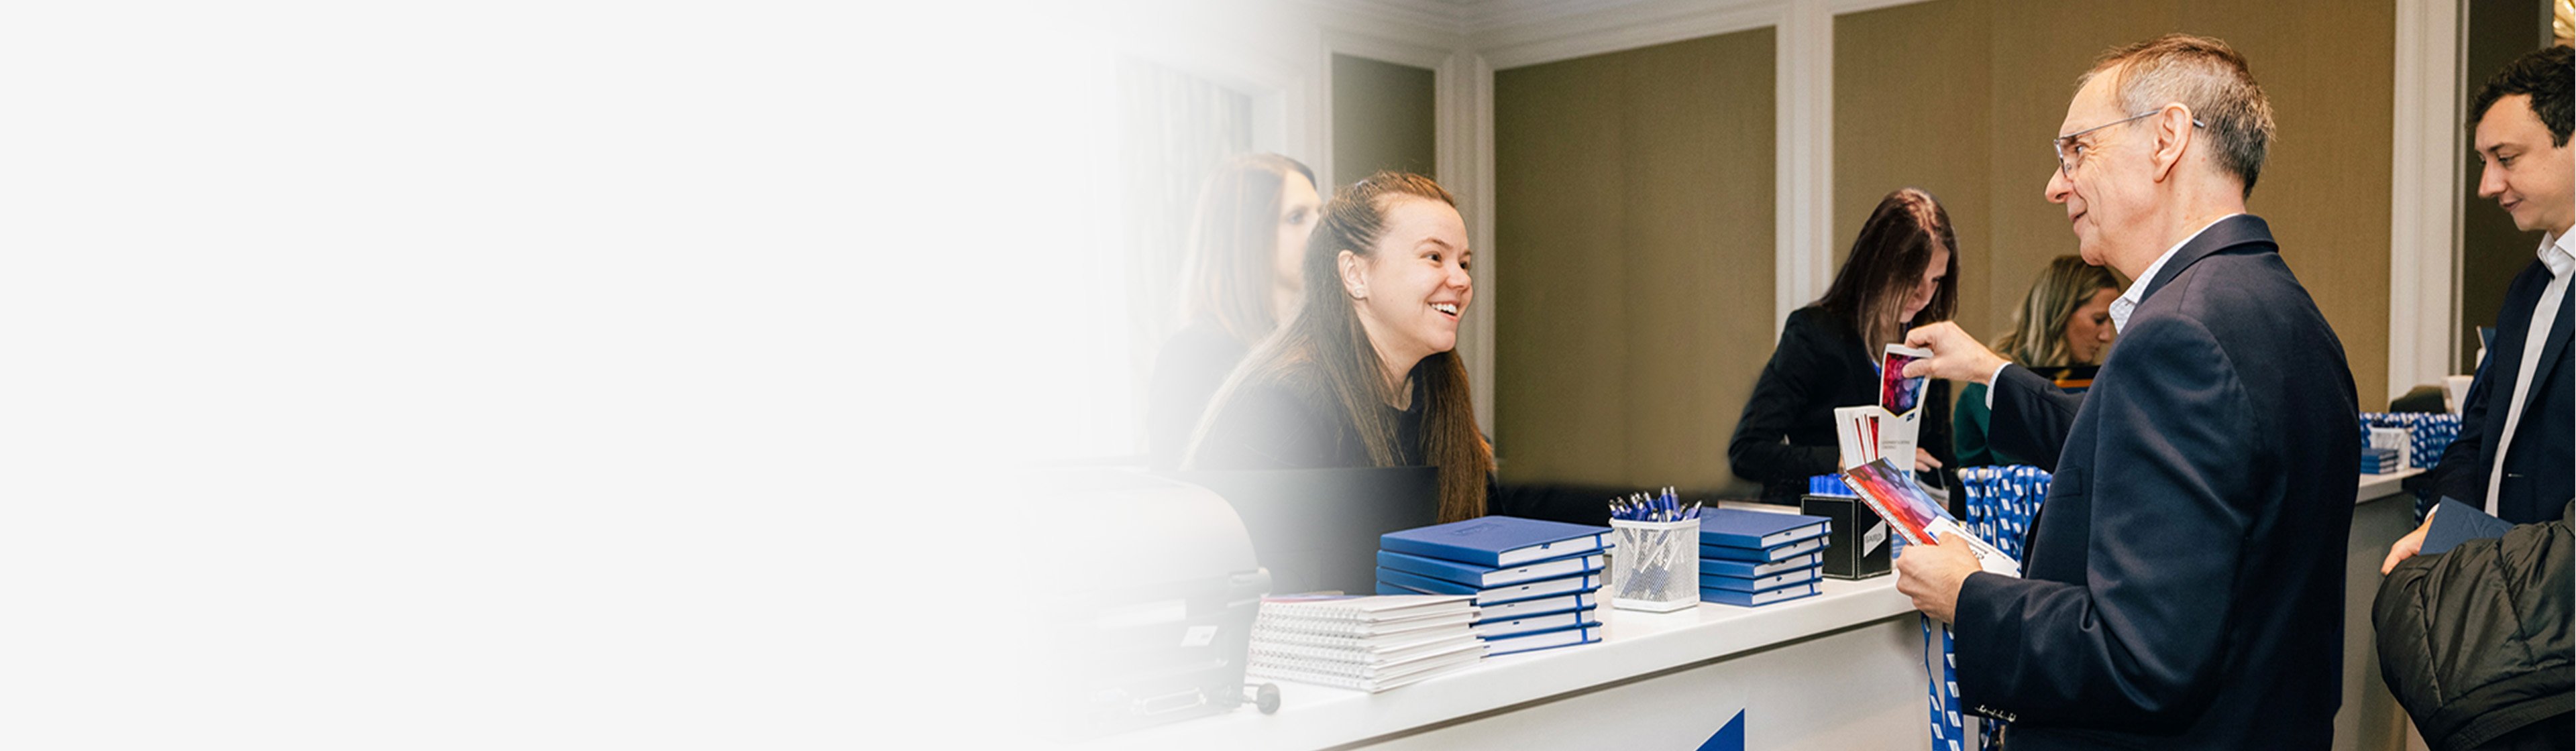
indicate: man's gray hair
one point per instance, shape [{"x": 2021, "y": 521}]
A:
[{"x": 2211, "y": 79}]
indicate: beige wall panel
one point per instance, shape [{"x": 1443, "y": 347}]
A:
[
  {"x": 1382, "y": 119},
  {"x": 1559, "y": 361},
  {"x": 2325, "y": 188},
  {"x": 1634, "y": 242},
  {"x": 1910, "y": 91},
  {"x": 1700, "y": 178}
]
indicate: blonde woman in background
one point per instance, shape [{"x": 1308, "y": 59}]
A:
[{"x": 2061, "y": 330}]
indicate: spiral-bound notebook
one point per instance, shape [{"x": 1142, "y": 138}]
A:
[
  {"x": 1377, "y": 668},
  {"x": 1363, "y": 651},
  {"x": 1362, "y": 608},
  {"x": 1415, "y": 673}
]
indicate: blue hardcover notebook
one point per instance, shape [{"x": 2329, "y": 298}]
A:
[
  {"x": 1763, "y": 555},
  {"x": 1495, "y": 595},
  {"x": 1740, "y": 528},
  {"x": 1760, "y": 583},
  {"x": 1497, "y": 541},
  {"x": 1537, "y": 640},
  {"x": 1752, "y": 569},
  {"x": 1485, "y": 576},
  {"x": 1751, "y": 599},
  {"x": 1498, "y": 628},
  {"x": 1540, "y": 606},
  {"x": 2455, "y": 522}
]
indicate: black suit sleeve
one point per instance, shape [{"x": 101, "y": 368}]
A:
[
  {"x": 2138, "y": 644},
  {"x": 2031, "y": 416},
  {"x": 1798, "y": 371},
  {"x": 2461, "y": 474}
]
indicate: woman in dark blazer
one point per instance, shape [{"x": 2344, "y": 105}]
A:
[{"x": 1902, "y": 272}]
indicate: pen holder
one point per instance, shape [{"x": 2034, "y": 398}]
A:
[{"x": 1656, "y": 565}]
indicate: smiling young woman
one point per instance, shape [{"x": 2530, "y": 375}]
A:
[{"x": 1367, "y": 374}]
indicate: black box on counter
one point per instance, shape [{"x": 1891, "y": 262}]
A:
[{"x": 1856, "y": 547}]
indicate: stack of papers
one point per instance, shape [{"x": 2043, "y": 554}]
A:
[
  {"x": 1365, "y": 643},
  {"x": 1751, "y": 558},
  {"x": 1535, "y": 582}
]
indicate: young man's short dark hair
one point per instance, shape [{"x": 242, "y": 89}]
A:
[{"x": 2544, "y": 75}]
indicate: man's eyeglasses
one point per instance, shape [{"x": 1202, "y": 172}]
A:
[{"x": 2071, "y": 153}]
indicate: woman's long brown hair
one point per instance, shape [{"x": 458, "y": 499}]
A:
[
  {"x": 1886, "y": 261},
  {"x": 1326, "y": 349},
  {"x": 1234, "y": 244}
]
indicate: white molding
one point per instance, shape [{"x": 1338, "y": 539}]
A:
[
  {"x": 1803, "y": 196},
  {"x": 1401, "y": 19},
  {"x": 1416, "y": 53},
  {"x": 1280, "y": 88},
  {"x": 2425, "y": 184},
  {"x": 1841, "y": 7},
  {"x": 1612, "y": 28},
  {"x": 1343, "y": 35},
  {"x": 1474, "y": 152},
  {"x": 1486, "y": 16}
]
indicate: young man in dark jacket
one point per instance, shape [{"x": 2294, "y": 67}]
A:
[{"x": 2474, "y": 641}]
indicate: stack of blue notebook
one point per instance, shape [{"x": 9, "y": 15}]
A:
[
  {"x": 1751, "y": 558},
  {"x": 1536, "y": 583},
  {"x": 2379, "y": 461}
]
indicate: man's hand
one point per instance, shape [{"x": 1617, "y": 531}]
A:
[
  {"x": 1956, "y": 356},
  {"x": 1924, "y": 461},
  {"x": 2408, "y": 546},
  {"x": 1933, "y": 574}
]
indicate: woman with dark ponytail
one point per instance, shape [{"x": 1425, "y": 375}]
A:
[{"x": 1367, "y": 373}]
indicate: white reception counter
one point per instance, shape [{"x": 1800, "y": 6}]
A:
[{"x": 1840, "y": 670}]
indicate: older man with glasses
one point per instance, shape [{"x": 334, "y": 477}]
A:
[{"x": 2184, "y": 580}]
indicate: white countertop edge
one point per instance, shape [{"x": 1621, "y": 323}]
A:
[
  {"x": 2375, "y": 487},
  {"x": 1635, "y": 644}
]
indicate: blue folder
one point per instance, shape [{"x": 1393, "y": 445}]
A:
[
  {"x": 1488, "y": 576},
  {"x": 1763, "y": 555},
  {"x": 1559, "y": 586},
  {"x": 1756, "y": 599},
  {"x": 1497, "y": 541},
  {"x": 1756, "y": 569},
  {"x": 1740, "y": 528},
  {"x": 1760, "y": 583},
  {"x": 2457, "y": 522},
  {"x": 1548, "y": 639}
]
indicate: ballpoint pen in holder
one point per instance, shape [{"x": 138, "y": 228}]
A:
[{"x": 1655, "y": 566}]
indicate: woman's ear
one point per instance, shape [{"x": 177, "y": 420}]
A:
[{"x": 1354, "y": 275}]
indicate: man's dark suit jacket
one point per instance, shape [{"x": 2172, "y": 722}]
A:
[
  {"x": 2537, "y": 480},
  {"x": 2185, "y": 576}
]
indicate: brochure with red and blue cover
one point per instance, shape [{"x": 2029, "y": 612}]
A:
[{"x": 1890, "y": 490}]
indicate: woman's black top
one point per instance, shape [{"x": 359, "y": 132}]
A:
[
  {"x": 1786, "y": 434},
  {"x": 1292, "y": 421},
  {"x": 1187, "y": 373}
]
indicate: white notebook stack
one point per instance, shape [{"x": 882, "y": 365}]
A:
[{"x": 1364, "y": 643}]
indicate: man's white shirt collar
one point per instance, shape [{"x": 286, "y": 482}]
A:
[
  {"x": 2137, "y": 292},
  {"x": 2558, "y": 253}
]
